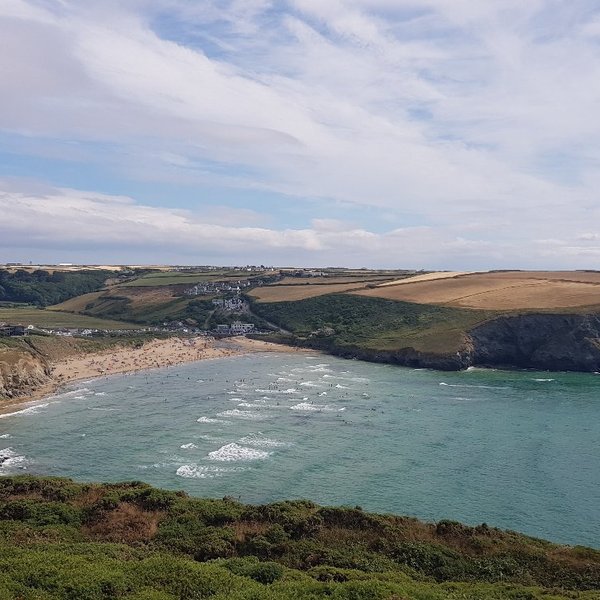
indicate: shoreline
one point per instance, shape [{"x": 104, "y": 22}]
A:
[{"x": 155, "y": 354}]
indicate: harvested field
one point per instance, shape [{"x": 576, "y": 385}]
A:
[
  {"x": 289, "y": 293},
  {"x": 358, "y": 280},
  {"x": 426, "y": 277},
  {"x": 506, "y": 290}
]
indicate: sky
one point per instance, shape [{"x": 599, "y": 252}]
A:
[{"x": 421, "y": 134}]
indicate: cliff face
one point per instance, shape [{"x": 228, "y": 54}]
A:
[
  {"x": 539, "y": 341},
  {"x": 21, "y": 372},
  {"x": 553, "y": 342}
]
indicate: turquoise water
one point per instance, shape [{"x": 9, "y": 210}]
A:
[{"x": 518, "y": 450}]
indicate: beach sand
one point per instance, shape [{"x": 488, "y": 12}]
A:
[{"x": 155, "y": 354}]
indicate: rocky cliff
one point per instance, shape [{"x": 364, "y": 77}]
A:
[
  {"x": 22, "y": 371},
  {"x": 552, "y": 342}
]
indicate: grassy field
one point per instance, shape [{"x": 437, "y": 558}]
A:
[
  {"x": 176, "y": 278},
  {"x": 79, "y": 303},
  {"x": 55, "y": 318},
  {"x": 63, "y": 540},
  {"x": 506, "y": 291}
]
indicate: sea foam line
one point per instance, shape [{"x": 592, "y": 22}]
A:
[
  {"x": 194, "y": 471},
  {"x": 32, "y": 410}
]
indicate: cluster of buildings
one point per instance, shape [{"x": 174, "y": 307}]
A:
[
  {"x": 206, "y": 288},
  {"x": 236, "y": 328}
]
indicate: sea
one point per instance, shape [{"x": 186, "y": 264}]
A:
[{"x": 518, "y": 450}]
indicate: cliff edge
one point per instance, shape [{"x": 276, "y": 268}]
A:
[{"x": 553, "y": 342}]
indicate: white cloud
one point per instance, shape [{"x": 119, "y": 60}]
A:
[
  {"x": 478, "y": 118},
  {"x": 68, "y": 222}
]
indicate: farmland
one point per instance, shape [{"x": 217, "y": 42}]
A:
[
  {"x": 184, "y": 278},
  {"x": 290, "y": 293},
  {"x": 503, "y": 291},
  {"x": 55, "y": 318}
]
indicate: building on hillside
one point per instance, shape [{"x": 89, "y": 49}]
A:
[
  {"x": 239, "y": 328},
  {"x": 12, "y": 330},
  {"x": 231, "y": 304}
]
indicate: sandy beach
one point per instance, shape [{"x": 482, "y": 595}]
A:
[{"x": 158, "y": 353}]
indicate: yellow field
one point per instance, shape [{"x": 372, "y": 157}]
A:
[
  {"x": 511, "y": 290},
  {"x": 426, "y": 277},
  {"x": 358, "y": 280},
  {"x": 288, "y": 293}
]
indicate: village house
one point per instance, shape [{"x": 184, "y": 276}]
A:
[{"x": 7, "y": 330}]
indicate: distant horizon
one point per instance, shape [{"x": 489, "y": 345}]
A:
[{"x": 166, "y": 266}]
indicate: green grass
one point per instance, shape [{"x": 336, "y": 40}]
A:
[
  {"x": 374, "y": 323},
  {"x": 53, "y": 318},
  {"x": 60, "y": 539}
]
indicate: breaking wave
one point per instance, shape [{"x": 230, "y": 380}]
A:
[{"x": 234, "y": 452}]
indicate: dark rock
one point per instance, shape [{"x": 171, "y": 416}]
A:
[{"x": 539, "y": 341}]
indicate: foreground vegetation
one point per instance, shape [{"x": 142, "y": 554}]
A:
[{"x": 60, "y": 539}]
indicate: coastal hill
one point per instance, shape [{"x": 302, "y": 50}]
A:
[
  {"x": 445, "y": 320},
  {"x": 60, "y": 539}
]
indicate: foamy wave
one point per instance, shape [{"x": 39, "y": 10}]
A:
[
  {"x": 78, "y": 392},
  {"x": 4, "y": 436},
  {"x": 189, "y": 446},
  {"x": 261, "y": 441},
  {"x": 257, "y": 404},
  {"x": 541, "y": 379},
  {"x": 32, "y": 410},
  {"x": 240, "y": 414},
  {"x": 309, "y": 406},
  {"x": 482, "y": 387},
  {"x": 233, "y": 453},
  {"x": 210, "y": 420},
  {"x": 9, "y": 459},
  {"x": 316, "y": 369},
  {"x": 311, "y": 384},
  {"x": 195, "y": 471},
  {"x": 288, "y": 391}
]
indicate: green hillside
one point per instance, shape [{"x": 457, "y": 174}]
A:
[
  {"x": 60, "y": 539},
  {"x": 346, "y": 320}
]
